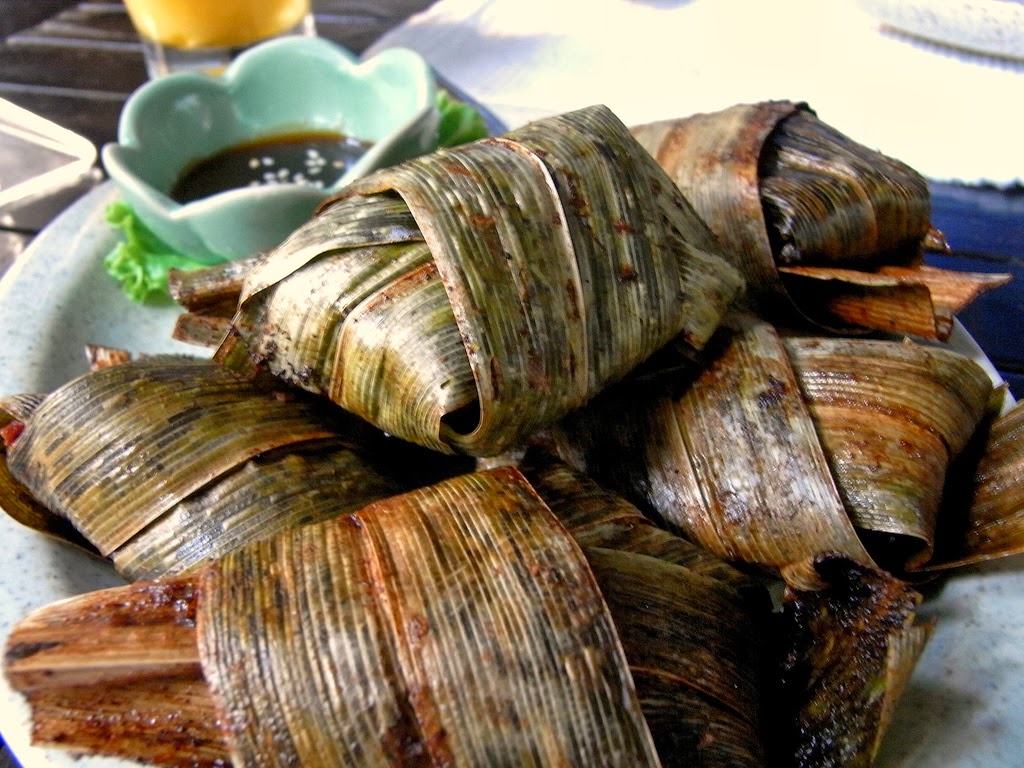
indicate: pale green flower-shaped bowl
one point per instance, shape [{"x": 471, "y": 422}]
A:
[{"x": 289, "y": 85}]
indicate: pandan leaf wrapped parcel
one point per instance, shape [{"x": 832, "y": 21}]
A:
[
  {"x": 784, "y": 448},
  {"x": 469, "y": 297},
  {"x": 815, "y": 221},
  {"x": 893, "y": 418},
  {"x": 730, "y": 461},
  {"x": 840, "y": 659},
  {"x": 162, "y": 463},
  {"x": 458, "y": 624},
  {"x": 708, "y": 712},
  {"x": 987, "y": 504},
  {"x": 692, "y": 626}
]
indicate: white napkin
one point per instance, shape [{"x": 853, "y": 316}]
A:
[{"x": 952, "y": 115}]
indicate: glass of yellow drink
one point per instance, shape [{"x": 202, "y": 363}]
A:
[{"x": 206, "y": 34}]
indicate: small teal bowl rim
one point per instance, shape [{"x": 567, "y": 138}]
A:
[{"x": 241, "y": 221}]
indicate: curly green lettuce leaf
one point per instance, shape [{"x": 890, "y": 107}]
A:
[
  {"x": 141, "y": 261},
  {"x": 460, "y": 122}
]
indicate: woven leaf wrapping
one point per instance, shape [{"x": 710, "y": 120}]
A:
[
  {"x": 990, "y": 510},
  {"x": 784, "y": 448},
  {"x": 733, "y": 462},
  {"x": 458, "y": 624},
  {"x": 469, "y": 297},
  {"x": 161, "y": 464},
  {"x": 455, "y": 625},
  {"x": 689, "y": 623},
  {"x": 845, "y": 654},
  {"x": 814, "y": 220},
  {"x": 891, "y": 418}
]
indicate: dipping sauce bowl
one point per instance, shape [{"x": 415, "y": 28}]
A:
[{"x": 289, "y": 92}]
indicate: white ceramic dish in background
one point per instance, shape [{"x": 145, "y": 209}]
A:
[
  {"x": 993, "y": 27},
  {"x": 37, "y": 156},
  {"x": 962, "y": 707}
]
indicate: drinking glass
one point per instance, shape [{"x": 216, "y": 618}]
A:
[{"x": 206, "y": 35}]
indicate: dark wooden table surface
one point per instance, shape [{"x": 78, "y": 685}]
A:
[{"x": 76, "y": 63}]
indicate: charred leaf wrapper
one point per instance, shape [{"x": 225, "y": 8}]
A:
[
  {"x": 163, "y": 463},
  {"x": 464, "y": 622},
  {"x": 787, "y": 446},
  {"x": 459, "y": 624},
  {"x": 820, "y": 225},
  {"x": 467, "y": 298}
]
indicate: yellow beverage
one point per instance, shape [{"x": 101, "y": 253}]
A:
[{"x": 196, "y": 24}]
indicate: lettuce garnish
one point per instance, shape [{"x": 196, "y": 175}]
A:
[{"x": 141, "y": 261}]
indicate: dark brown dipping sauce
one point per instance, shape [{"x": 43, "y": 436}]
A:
[{"x": 316, "y": 158}]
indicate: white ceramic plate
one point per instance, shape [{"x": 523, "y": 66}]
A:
[
  {"x": 993, "y": 27},
  {"x": 963, "y": 707}
]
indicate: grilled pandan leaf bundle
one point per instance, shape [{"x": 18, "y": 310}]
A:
[
  {"x": 815, "y": 220},
  {"x": 458, "y": 624},
  {"x": 893, "y": 418},
  {"x": 467, "y": 298},
  {"x": 298, "y": 611},
  {"x": 597, "y": 517},
  {"x": 835, "y": 659},
  {"x": 782, "y": 449},
  {"x": 161, "y": 464},
  {"x": 461, "y": 623},
  {"x": 732, "y": 462}
]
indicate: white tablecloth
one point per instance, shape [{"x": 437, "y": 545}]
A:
[{"x": 950, "y": 114}]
